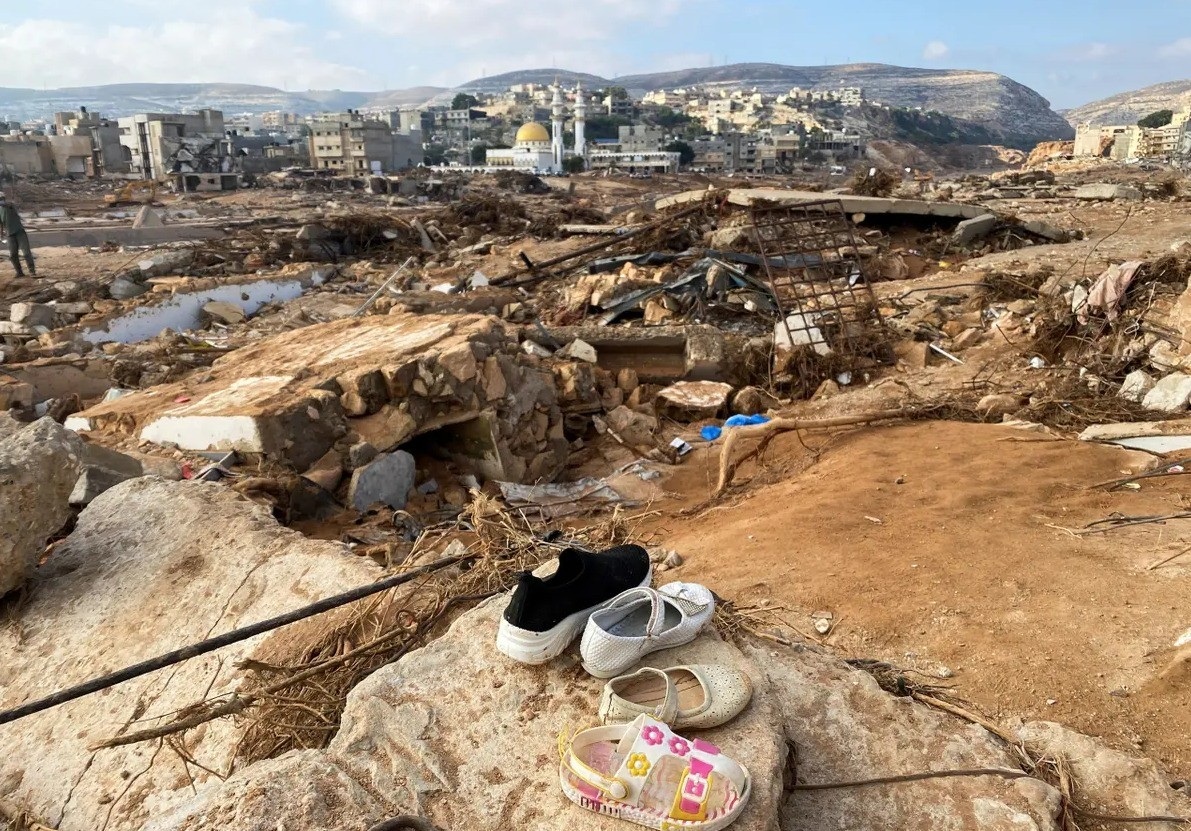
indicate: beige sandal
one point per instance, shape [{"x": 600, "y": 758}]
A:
[{"x": 685, "y": 697}]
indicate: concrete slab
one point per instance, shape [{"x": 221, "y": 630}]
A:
[
  {"x": 122, "y": 235},
  {"x": 1151, "y": 436}
]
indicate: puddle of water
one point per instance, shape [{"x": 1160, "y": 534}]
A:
[{"x": 183, "y": 312}]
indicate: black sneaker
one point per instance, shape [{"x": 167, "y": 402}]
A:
[{"x": 544, "y": 616}]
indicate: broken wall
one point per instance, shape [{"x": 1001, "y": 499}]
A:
[{"x": 382, "y": 379}]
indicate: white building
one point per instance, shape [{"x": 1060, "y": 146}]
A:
[{"x": 533, "y": 151}]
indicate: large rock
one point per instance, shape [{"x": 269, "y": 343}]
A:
[
  {"x": 1107, "y": 781},
  {"x": 974, "y": 230},
  {"x": 694, "y": 400},
  {"x": 386, "y": 481},
  {"x": 456, "y": 725},
  {"x": 39, "y": 466},
  {"x": 1169, "y": 395},
  {"x": 1136, "y": 386},
  {"x": 151, "y": 566},
  {"x": 845, "y": 727},
  {"x": 1107, "y": 192}
]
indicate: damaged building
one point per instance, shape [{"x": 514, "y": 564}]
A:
[
  {"x": 190, "y": 149},
  {"x": 355, "y": 145}
]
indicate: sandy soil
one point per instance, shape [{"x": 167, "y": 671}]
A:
[{"x": 964, "y": 566}]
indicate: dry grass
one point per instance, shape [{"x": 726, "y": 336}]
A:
[{"x": 384, "y": 628}]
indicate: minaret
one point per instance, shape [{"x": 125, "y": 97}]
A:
[
  {"x": 580, "y": 122},
  {"x": 558, "y": 127}
]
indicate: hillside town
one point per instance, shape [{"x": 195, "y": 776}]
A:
[
  {"x": 558, "y": 452},
  {"x": 723, "y": 131}
]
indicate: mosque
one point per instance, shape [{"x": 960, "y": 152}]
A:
[{"x": 534, "y": 151}]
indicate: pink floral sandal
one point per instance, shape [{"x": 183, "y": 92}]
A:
[{"x": 644, "y": 773}]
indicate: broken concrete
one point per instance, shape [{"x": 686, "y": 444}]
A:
[
  {"x": 973, "y": 230},
  {"x": 1169, "y": 395},
  {"x": 290, "y": 397},
  {"x": 661, "y": 354},
  {"x": 1136, "y": 386},
  {"x": 1108, "y": 193},
  {"x": 1151, "y": 436},
  {"x": 31, "y": 314}
]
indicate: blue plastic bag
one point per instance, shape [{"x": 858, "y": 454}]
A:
[{"x": 713, "y": 433}]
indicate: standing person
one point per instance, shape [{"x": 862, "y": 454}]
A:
[{"x": 13, "y": 230}]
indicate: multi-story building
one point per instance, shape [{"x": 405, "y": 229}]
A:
[
  {"x": 1122, "y": 142},
  {"x": 851, "y": 96},
  {"x": 356, "y": 146},
  {"x": 73, "y": 130},
  {"x": 158, "y": 145}
]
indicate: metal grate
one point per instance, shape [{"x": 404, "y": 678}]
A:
[{"x": 809, "y": 256}]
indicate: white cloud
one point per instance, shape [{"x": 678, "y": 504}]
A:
[
  {"x": 936, "y": 50},
  {"x": 1181, "y": 48},
  {"x": 243, "y": 47},
  {"x": 1090, "y": 52},
  {"x": 494, "y": 36}
]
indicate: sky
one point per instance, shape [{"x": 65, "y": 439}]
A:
[{"x": 1070, "y": 56}]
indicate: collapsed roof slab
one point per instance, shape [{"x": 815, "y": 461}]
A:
[
  {"x": 868, "y": 205},
  {"x": 389, "y": 378}
]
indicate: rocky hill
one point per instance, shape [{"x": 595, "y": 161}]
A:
[
  {"x": 117, "y": 100},
  {"x": 1015, "y": 114},
  {"x": 1128, "y": 107}
]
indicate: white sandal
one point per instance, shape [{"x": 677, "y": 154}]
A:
[
  {"x": 640, "y": 621},
  {"x": 684, "y": 697},
  {"x": 644, "y": 773}
]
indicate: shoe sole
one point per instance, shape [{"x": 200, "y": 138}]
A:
[{"x": 530, "y": 647}]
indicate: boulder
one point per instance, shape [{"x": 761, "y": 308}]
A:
[
  {"x": 633, "y": 427},
  {"x": 456, "y": 725},
  {"x": 1136, "y": 386},
  {"x": 39, "y": 466},
  {"x": 974, "y": 230},
  {"x": 845, "y": 728},
  {"x": 166, "y": 262},
  {"x": 386, "y": 480},
  {"x": 123, "y": 288},
  {"x": 1169, "y": 395},
  {"x": 92, "y": 482},
  {"x": 579, "y": 350},
  {"x": 1110, "y": 782},
  {"x": 31, "y": 314},
  {"x": 753, "y": 401},
  {"x": 693, "y": 400},
  {"x": 152, "y": 566},
  {"x": 1108, "y": 193},
  {"x": 999, "y": 404}
]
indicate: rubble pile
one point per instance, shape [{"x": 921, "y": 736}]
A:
[{"x": 438, "y": 369}]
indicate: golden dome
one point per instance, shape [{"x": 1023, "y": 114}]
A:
[{"x": 532, "y": 131}]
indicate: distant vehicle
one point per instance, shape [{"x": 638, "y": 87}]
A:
[{"x": 838, "y": 170}]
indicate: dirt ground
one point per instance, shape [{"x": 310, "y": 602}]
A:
[{"x": 964, "y": 568}]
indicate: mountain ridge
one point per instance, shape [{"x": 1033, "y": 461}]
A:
[
  {"x": 1014, "y": 113},
  {"x": 1011, "y": 110},
  {"x": 1130, "y": 106}
]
